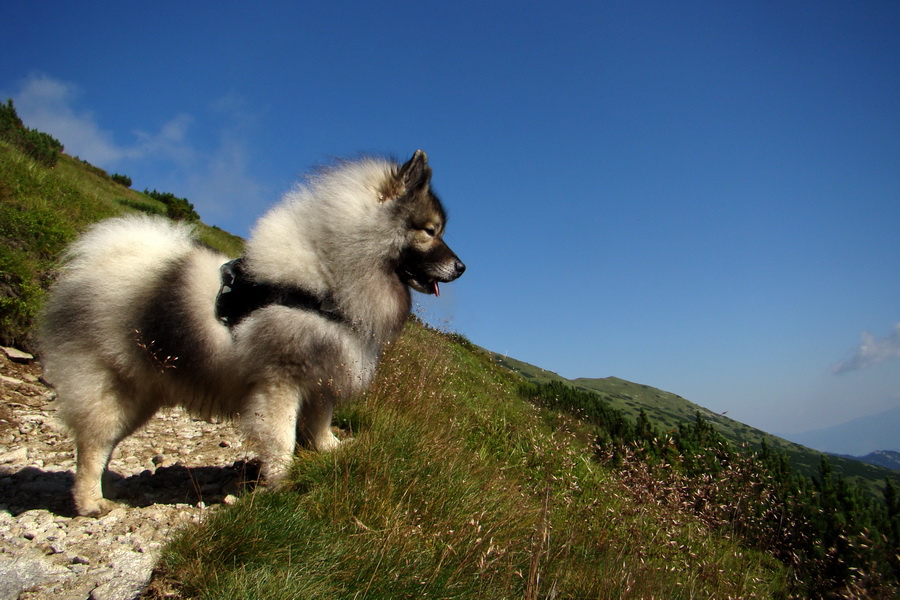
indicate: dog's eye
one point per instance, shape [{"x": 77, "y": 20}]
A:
[{"x": 431, "y": 231}]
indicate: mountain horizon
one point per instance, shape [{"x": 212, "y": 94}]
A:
[{"x": 856, "y": 437}]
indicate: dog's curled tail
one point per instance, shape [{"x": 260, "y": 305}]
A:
[{"x": 130, "y": 239}]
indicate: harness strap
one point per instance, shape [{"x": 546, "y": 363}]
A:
[{"x": 239, "y": 296}]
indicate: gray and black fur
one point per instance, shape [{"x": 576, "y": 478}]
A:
[{"x": 132, "y": 326}]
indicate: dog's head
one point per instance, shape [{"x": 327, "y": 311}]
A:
[{"x": 425, "y": 259}]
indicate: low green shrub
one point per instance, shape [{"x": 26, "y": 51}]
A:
[
  {"x": 41, "y": 147},
  {"x": 121, "y": 179}
]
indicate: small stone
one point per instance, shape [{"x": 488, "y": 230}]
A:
[
  {"x": 56, "y": 548},
  {"x": 17, "y": 455},
  {"x": 230, "y": 499},
  {"x": 16, "y": 355},
  {"x": 224, "y": 444}
]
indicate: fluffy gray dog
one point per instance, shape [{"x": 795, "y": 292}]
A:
[{"x": 143, "y": 316}]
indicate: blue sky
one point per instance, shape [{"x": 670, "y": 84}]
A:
[{"x": 699, "y": 196}]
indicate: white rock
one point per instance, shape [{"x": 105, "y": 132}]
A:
[
  {"x": 14, "y": 456},
  {"x": 132, "y": 573},
  {"x": 25, "y": 571},
  {"x": 17, "y": 355}
]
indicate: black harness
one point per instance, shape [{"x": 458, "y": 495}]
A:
[{"x": 239, "y": 296}]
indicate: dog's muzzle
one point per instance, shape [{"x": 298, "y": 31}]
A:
[{"x": 426, "y": 278}]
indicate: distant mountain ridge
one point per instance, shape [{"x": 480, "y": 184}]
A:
[
  {"x": 858, "y": 437},
  {"x": 882, "y": 458},
  {"x": 666, "y": 410}
]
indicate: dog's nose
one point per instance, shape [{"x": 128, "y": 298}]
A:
[{"x": 459, "y": 268}]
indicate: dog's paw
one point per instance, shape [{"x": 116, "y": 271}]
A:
[
  {"x": 273, "y": 473},
  {"x": 94, "y": 507},
  {"x": 328, "y": 442}
]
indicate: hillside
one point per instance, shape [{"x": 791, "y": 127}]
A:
[
  {"x": 44, "y": 204},
  {"x": 457, "y": 487},
  {"x": 667, "y": 410},
  {"x": 461, "y": 482}
]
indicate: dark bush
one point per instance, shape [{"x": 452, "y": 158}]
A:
[
  {"x": 176, "y": 208},
  {"x": 121, "y": 179},
  {"x": 40, "y": 146}
]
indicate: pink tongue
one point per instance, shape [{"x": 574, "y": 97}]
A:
[{"x": 437, "y": 292}]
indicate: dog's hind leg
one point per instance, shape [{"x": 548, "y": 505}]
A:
[
  {"x": 270, "y": 424},
  {"x": 99, "y": 425},
  {"x": 93, "y": 456}
]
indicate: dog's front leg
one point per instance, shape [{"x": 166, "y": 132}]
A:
[
  {"x": 270, "y": 424},
  {"x": 314, "y": 427}
]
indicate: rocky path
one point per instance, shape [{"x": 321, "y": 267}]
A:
[{"x": 169, "y": 474}]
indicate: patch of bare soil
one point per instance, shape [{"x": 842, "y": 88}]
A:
[{"x": 170, "y": 473}]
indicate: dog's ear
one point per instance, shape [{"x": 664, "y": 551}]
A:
[{"x": 415, "y": 174}]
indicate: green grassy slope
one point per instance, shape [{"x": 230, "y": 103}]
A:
[
  {"x": 456, "y": 487},
  {"x": 666, "y": 410}
]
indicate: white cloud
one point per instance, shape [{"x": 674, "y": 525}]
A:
[
  {"x": 48, "y": 104},
  {"x": 217, "y": 181},
  {"x": 871, "y": 352},
  {"x": 222, "y": 188},
  {"x": 171, "y": 142}
]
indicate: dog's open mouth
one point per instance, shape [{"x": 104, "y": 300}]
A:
[
  {"x": 420, "y": 283},
  {"x": 424, "y": 276}
]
